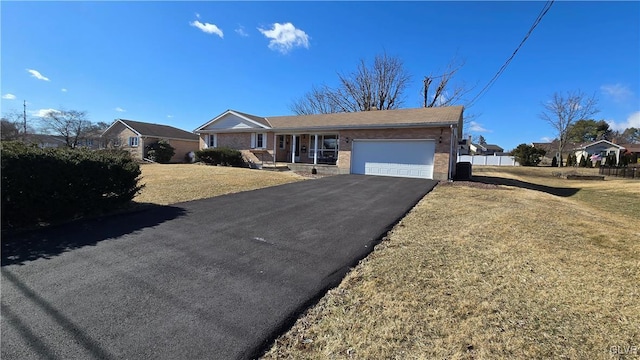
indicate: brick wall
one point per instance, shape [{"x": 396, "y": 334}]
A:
[
  {"x": 242, "y": 142},
  {"x": 123, "y": 137}
]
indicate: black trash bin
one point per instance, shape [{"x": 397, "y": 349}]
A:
[{"x": 463, "y": 170}]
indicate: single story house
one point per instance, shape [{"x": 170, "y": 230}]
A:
[
  {"x": 135, "y": 136},
  {"x": 418, "y": 142},
  {"x": 602, "y": 148}
]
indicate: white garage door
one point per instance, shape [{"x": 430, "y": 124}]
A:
[{"x": 404, "y": 158}]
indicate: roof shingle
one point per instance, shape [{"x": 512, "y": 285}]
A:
[
  {"x": 159, "y": 131},
  {"x": 438, "y": 115}
]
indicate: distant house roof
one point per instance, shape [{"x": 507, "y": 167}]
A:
[
  {"x": 631, "y": 147},
  {"x": 155, "y": 130},
  {"x": 486, "y": 147},
  {"x": 46, "y": 140},
  {"x": 606, "y": 142},
  {"x": 440, "y": 116}
]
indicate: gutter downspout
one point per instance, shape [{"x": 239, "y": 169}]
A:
[{"x": 451, "y": 153}]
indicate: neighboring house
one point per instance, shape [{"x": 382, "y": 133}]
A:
[
  {"x": 634, "y": 151},
  {"x": 135, "y": 136},
  {"x": 464, "y": 146},
  {"x": 46, "y": 141},
  {"x": 602, "y": 148},
  {"x": 551, "y": 151},
  {"x": 406, "y": 142},
  {"x": 54, "y": 141},
  {"x": 485, "y": 149}
]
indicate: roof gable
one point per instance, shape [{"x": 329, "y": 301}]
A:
[
  {"x": 234, "y": 120},
  {"x": 602, "y": 144}
]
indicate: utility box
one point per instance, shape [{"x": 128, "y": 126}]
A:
[{"x": 463, "y": 171}]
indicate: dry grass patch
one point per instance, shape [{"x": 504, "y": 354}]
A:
[
  {"x": 615, "y": 195},
  {"x": 172, "y": 183},
  {"x": 483, "y": 273}
]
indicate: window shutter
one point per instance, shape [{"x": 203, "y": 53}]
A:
[
  {"x": 253, "y": 140},
  {"x": 206, "y": 141}
]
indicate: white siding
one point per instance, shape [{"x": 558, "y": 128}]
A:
[{"x": 230, "y": 121}]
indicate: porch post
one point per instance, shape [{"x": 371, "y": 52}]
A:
[
  {"x": 293, "y": 149},
  {"x": 315, "y": 152},
  {"x": 274, "y": 148}
]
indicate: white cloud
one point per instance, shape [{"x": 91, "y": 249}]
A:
[
  {"x": 63, "y": 90},
  {"x": 285, "y": 37},
  {"x": 169, "y": 116},
  {"x": 617, "y": 92},
  {"x": 43, "y": 112},
  {"x": 198, "y": 15},
  {"x": 9, "y": 96},
  {"x": 36, "y": 74},
  {"x": 632, "y": 121},
  {"x": 240, "y": 31},
  {"x": 546, "y": 139},
  {"x": 207, "y": 28},
  {"x": 477, "y": 127},
  {"x": 119, "y": 109}
]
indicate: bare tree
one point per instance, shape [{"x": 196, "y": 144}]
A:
[
  {"x": 72, "y": 125},
  {"x": 316, "y": 101},
  {"x": 446, "y": 93},
  {"x": 379, "y": 86},
  {"x": 15, "y": 126},
  {"x": 562, "y": 111}
]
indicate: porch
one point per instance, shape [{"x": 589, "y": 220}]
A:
[
  {"x": 313, "y": 149},
  {"x": 320, "y": 169}
]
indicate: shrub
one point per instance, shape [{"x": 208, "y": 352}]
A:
[
  {"x": 583, "y": 160},
  {"x": 554, "y": 162},
  {"x": 528, "y": 155},
  {"x": 221, "y": 156},
  {"x": 52, "y": 185},
  {"x": 160, "y": 151},
  {"x": 571, "y": 160}
]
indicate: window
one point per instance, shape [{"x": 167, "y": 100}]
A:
[
  {"x": 327, "y": 148},
  {"x": 258, "y": 141},
  {"x": 212, "y": 140},
  {"x": 281, "y": 141},
  {"x": 133, "y": 141}
]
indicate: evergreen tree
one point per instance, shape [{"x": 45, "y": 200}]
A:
[
  {"x": 583, "y": 160},
  {"x": 554, "y": 162}
]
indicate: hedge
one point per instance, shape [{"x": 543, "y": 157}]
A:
[
  {"x": 160, "y": 151},
  {"x": 53, "y": 185},
  {"x": 221, "y": 156}
]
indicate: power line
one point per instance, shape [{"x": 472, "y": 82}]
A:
[{"x": 542, "y": 13}]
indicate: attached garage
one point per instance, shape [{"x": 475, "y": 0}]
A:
[{"x": 402, "y": 158}]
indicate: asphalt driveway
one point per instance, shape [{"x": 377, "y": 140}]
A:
[{"x": 207, "y": 279}]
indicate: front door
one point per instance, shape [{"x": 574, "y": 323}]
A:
[{"x": 297, "y": 148}]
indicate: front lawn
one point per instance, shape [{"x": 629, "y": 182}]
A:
[
  {"x": 172, "y": 183},
  {"x": 480, "y": 271}
]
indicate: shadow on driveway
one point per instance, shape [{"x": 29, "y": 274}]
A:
[
  {"x": 557, "y": 191},
  {"x": 52, "y": 241}
]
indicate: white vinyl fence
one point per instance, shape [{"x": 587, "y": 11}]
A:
[{"x": 489, "y": 160}]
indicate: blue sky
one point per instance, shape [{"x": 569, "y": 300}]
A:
[{"x": 183, "y": 63}]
